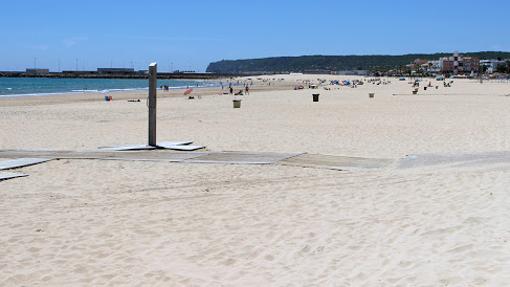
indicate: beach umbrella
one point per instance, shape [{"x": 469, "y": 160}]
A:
[{"x": 188, "y": 91}]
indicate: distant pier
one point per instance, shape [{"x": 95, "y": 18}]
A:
[{"x": 112, "y": 75}]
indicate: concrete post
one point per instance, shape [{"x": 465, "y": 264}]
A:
[{"x": 153, "y": 81}]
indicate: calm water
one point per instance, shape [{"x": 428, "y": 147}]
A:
[{"x": 45, "y": 86}]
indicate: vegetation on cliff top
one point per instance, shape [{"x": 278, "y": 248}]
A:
[{"x": 332, "y": 63}]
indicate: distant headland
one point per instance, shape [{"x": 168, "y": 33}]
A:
[{"x": 319, "y": 64}]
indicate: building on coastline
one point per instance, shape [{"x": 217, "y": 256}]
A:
[
  {"x": 37, "y": 71},
  {"x": 459, "y": 65},
  {"x": 423, "y": 65},
  {"x": 434, "y": 66},
  {"x": 420, "y": 62},
  {"x": 456, "y": 64},
  {"x": 491, "y": 66}
]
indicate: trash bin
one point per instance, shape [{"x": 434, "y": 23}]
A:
[
  {"x": 371, "y": 95},
  {"x": 315, "y": 97},
  {"x": 237, "y": 104}
]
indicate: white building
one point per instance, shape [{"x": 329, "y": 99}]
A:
[
  {"x": 435, "y": 66},
  {"x": 491, "y": 65}
]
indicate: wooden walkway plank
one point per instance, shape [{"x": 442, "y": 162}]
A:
[
  {"x": 21, "y": 162},
  {"x": 336, "y": 162},
  {"x": 128, "y": 148},
  {"x": 155, "y": 156},
  {"x": 252, "y": 158},
  {"x": 10, "y": 175},
  {"x": 241, "y": 158}
]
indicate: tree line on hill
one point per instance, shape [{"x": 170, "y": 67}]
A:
[
  {"x": 303, "y": 64},
  {"x": 504, "y": 68}
]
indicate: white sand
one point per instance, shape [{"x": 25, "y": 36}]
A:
[
  {"x": 345, "y": 121},
  {"x": 91, "y": 223}
]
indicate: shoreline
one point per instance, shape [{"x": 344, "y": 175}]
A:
[
  {"x": 105, "y": 91},
  {"x": 121, "y": 95},
  {"x": 260, "y": 84},
  {"x": 85, "y": 93},
  {"x": 179, "y": 84}
]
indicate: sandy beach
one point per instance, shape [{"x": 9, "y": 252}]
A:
[{"x": 131, "y": 223}]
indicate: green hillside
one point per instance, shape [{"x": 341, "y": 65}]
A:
[{"x": 332, "y": 63}]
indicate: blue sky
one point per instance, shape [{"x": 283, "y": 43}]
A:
[{"x": 188, "y": 34}]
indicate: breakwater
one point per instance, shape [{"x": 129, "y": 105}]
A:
[{"x": 119, "y": 75}]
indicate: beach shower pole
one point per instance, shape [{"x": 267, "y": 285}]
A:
[{"x": 153, "y": 78}]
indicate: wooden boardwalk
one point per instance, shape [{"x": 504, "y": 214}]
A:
[
  {"x": 13, "y": 159},
  {"x": 257, "y": 158},
  {"x": 10, "y": 175},
  {"x": 336, "y": 162}
]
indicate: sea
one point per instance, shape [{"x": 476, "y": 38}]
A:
[{"x": 49, "y": 86}]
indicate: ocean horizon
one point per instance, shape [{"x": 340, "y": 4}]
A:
[{"x": 11, "y": 87}]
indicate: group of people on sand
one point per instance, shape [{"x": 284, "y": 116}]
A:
[{"x": 240, "y": 92}]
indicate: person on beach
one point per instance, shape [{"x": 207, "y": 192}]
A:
[
  {"x": 247, "y": 90},
  {"x": 231, "y": 90}
]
